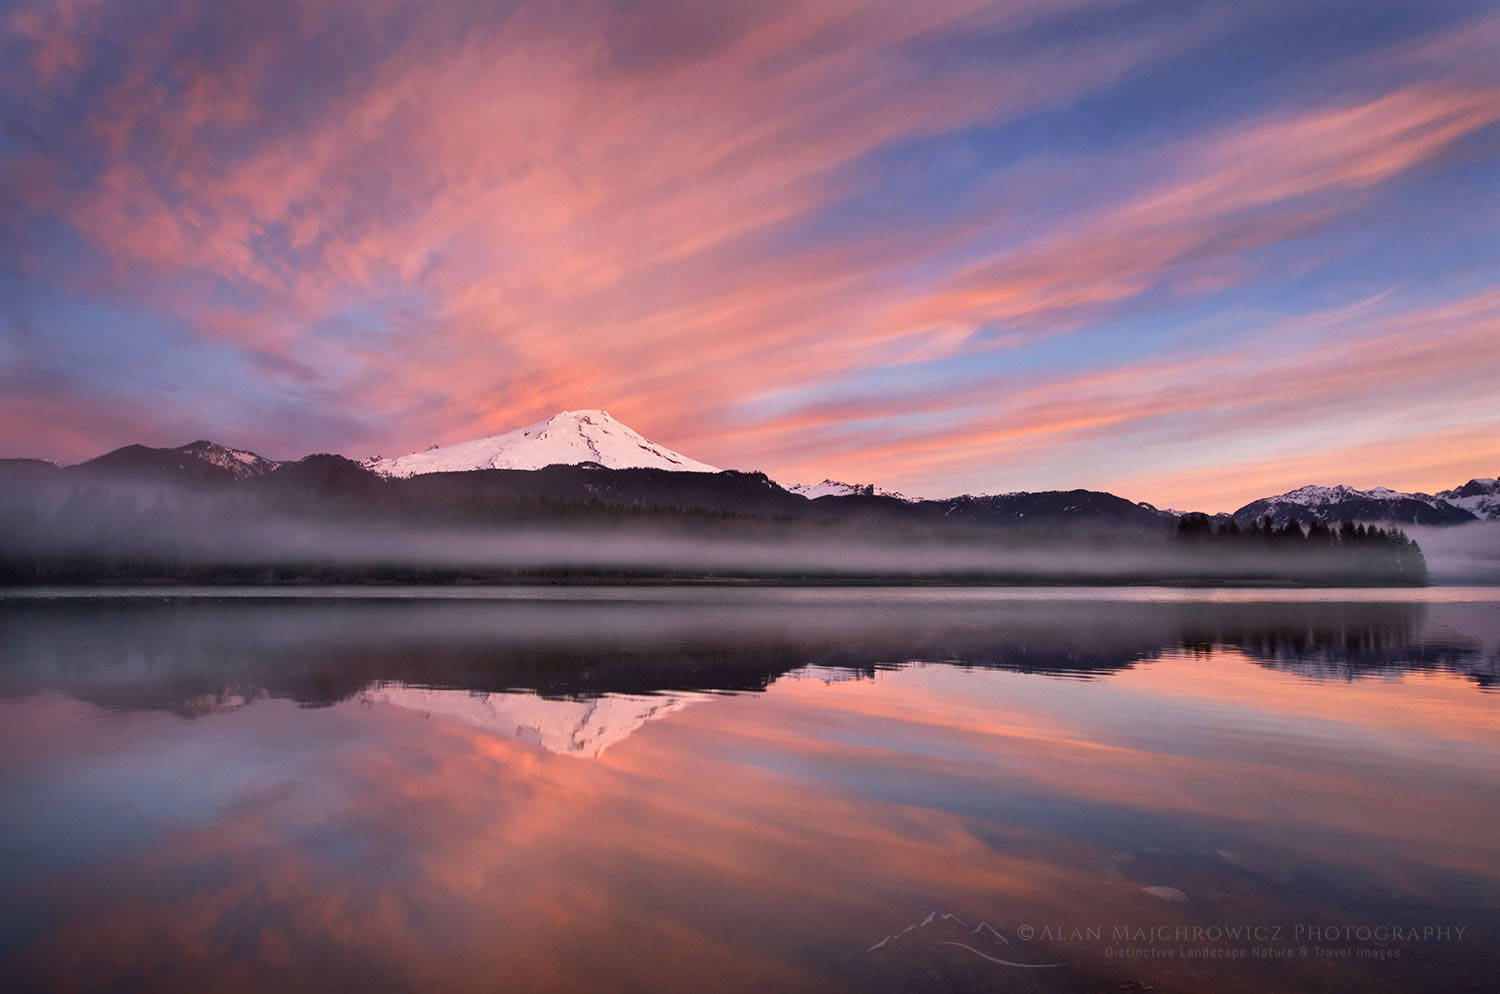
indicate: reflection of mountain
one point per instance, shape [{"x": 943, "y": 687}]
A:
[
  {"x": 574, "y": 727},
  {"x": 577, "y": 670},
  {"x": 831, "y": 674}
]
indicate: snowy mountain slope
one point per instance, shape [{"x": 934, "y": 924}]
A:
[
  {"x": 566, "y": 438},
  {"x": 1480, "y": 497},
  {"x": 1332, "y": 505},
  {"x": 239, "y": 463},
  {"x": 836, "y": 488}
]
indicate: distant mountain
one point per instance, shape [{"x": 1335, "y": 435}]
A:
[
  {"x": 321, "y": 475},
  {"x": 566, "y": 438},
  {"x": 199, "y": 462},
  {"x": 836, "y": 488},
  {"x": 1054, "y": 505},
  {"x": 1480, "y": 497},
  {"x": 831, "y": 488},
  {"x": 238, "y": 463},
  {"x": 1332, "y": 505}
]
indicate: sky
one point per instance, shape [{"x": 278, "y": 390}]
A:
[{"x": 1190, "y": 253}]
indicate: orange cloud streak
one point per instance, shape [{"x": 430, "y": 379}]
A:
[{"x": 553, "y": 218}]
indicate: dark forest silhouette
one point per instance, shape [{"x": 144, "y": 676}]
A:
[{"x": 1374, "y": 553}]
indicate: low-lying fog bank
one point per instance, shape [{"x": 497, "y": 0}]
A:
[{"x": 120, "y": 534}]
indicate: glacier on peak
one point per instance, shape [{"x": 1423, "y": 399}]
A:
[{"x": 567, "y": 438}]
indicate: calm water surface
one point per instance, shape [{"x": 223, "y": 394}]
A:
[{"x": 750, "y": 790}]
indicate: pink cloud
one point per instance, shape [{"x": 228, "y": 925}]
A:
[{"x": 578, "y": 211}]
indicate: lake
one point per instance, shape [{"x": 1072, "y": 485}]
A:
[{"x": 750, "y": 789}]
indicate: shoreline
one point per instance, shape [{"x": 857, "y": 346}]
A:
[{"x": 718, "y": 581}]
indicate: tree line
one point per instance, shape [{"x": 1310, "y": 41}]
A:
[{"x": 1381, "y": 554}]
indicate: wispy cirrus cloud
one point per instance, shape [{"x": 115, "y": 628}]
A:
[{"x": 399, "y": 229}]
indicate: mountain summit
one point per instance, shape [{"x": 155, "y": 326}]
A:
[
  {"x": 201, "y": 461},
  {"x": 568, "y": 437},
  {"x": 1479, "y": 497},
  {"x": 1331, "y": 505},
  {"x": 238, "y": 463},
  {"x": 837, "y": 488}
]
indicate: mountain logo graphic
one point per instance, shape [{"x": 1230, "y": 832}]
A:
[{"x": 942, "y": 929}]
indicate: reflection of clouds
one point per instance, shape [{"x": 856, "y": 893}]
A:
[
  {"x": 456, "y": 857},
  {"x": 1383, "y": 770},
  {"x": 759, "y": 840}
]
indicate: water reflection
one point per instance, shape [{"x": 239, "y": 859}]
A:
[
  {"x": 575, "y": 726},
  {"x": 743, "y": 790},
  {"x": 195, "y": 654}
]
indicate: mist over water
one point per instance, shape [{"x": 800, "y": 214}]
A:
[
  {"x": 676, "y": 789},
  {"x": 1461, "y": 554},
  {"x": 140, "y": 531}
]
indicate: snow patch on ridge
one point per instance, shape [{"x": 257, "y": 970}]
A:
[
  {"x": 1480, "y": 497},
  {"x": 836, "y": 488},
  {"x": 1315, "y": 496},
  {"x": 241, "y": 463}
]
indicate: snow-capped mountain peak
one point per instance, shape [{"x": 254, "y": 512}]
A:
[
  {"x": 568, "y": 438},
  {"x": 1318, "y": 496},
  {"x": 1480, "y": 497},
  {"x": 1477, "y": 499}
]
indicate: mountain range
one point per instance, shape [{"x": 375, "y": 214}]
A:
[
  {"x": 565, "y": 456},
  {"x": 1479, "y": 499}
]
